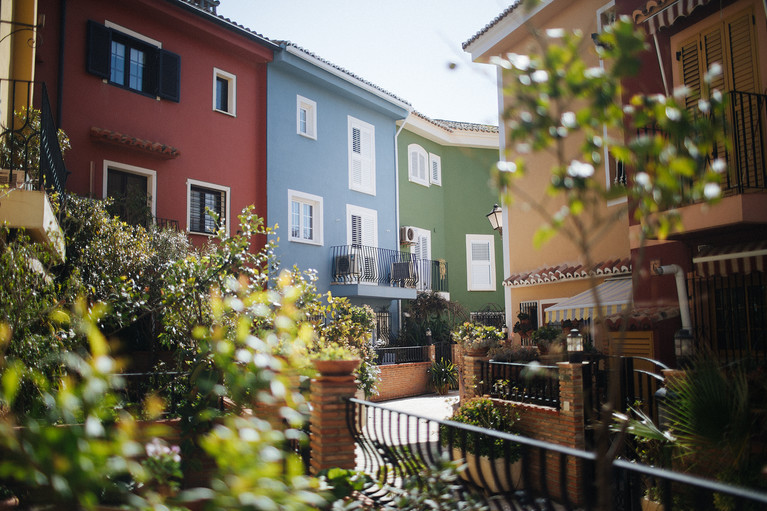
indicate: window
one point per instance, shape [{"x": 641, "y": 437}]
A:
[
  {"x": 132, "y": 190},
  {"x": 129, "y": 60},
  {"x": 435, "y": 168},
  {"x": 416, "y": 166},
  {"x": 202, "y": 197},
  {"x": 305, "y": 217},
  {"x": 224, "y": 92},
  {"x": 480, "y": 262},
  {"x": 422, "y": 251},
  {"x": 306, "y": 117},
  {"x": 361, "y": 226},
  {"x": 362, "y": 170}
]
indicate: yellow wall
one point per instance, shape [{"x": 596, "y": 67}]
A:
[
  {"x": 17, "y": 51},
  {"x": 524, "y": 221}
]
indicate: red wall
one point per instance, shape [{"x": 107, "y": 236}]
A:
[{"x": 214, "y": 147}]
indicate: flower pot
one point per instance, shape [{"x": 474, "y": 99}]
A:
[
  {"x": 336, "y": 367},
  {"x": 651, "y": 505},
  {"x": 476, "y": 352},
  {"x": 480, "y": 470}
]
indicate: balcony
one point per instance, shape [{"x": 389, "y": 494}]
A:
[
  {"x": 378, "y": 272},
  {"x": 30, "y": 164},
  {"x": 744, "y": 185}
]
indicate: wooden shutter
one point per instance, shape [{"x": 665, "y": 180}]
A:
[
  {"x": 99, "y": 49},
  {"x": 689, "y": 62},
  {"x": 169, "y": 76},
  {"x": 742, "y": 53}
]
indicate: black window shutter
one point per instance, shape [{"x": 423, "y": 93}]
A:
[
  {"x": 169, "y": 86},
  {"x": 99, "y": 49}
]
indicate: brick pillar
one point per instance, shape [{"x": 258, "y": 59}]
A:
[
  {"x": 432, "y": 353},
  {"x": 572, "y": 422},
  {"x": 470, "y": 375},
  {"x": 331, "y": 443}
]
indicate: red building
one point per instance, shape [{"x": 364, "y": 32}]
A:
[{"x": 165, "y": 106}]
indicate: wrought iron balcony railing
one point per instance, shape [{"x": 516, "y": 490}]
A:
[
  {"x": 30, "y": 154},
  {"x": 354, "y": 264}
]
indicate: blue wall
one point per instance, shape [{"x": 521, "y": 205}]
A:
[{"x": 320, "y": 167}]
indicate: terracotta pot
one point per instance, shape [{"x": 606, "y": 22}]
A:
[
  {"x": 651, "y": 505},
  {"x": 336, "y": 367},
  {"x": 476, "y": 352},
  {"x": 480, "y": 470}
]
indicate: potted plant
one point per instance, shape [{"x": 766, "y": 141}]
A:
[
  {"x": 486, "y": 457},
  {"x": 476, "y": 339},
  {"x": 547, "y": 338},
  {"x": 443, "y": 376},
  {"x": 523, "y": 326},
  {"x": 336, "y": 360}
]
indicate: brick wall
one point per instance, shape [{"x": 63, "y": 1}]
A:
[{"x": 403, "y": 380}]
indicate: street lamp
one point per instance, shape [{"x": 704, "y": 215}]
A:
[
  {"x": 575, "y": 345},
  {"x": 496, "y": 219},
  {"x": 683, "y": 347}
]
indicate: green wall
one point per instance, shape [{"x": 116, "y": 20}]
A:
[{"x": 451, "y": 211}]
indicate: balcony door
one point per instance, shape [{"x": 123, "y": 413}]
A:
[
  {"x": 362, "y": 237},
  {"x": 421, "y": 250},
  {"x": 130, "y": 197},
  {"x": 731, "y": 43}
]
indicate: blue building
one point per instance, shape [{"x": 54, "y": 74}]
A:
[{"x": 332, "y": 180}]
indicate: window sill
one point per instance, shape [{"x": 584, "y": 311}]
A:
[
  {"x": 422, "y": 183},
  {"x": 306, "y": 135},
  {"x": 305, "y": 242},
  {"x": 230, "y": 114}
]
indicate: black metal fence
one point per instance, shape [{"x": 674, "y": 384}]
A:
[
  {"x": 489, "y": 318},
  {"x": 443, "y": 351},
  {"x": 372, "y": 265},
  {"x": 521, "y": 383},
  {"x": 512, "y": 472},
  {"x": 29, "y": 146},
  {"x": 402, "y": 355}
]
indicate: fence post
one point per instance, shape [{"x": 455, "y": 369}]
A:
[
  {"x": 572, "y": 422},
  {"x": 432, "y": 353},
  {"x": 330, "y": 440},
  {"x": 471, "y": 374}
]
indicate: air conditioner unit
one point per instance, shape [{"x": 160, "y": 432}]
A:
[
  {"x": 407, "y": 235},
  {"x": 347, "y": 265}
]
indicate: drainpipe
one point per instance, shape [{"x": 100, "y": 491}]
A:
[
  {"x": 60, "y": 77},
  {"x": 396, "y": 202},
  {"x": 681, "y": 291}
]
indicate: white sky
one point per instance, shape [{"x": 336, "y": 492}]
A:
[{"x": 403, "y": 46}]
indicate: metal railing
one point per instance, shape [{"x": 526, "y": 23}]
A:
[
  {"x": 513, "y": 472},
  {"x": 402, "y": 355},
  {"x": 520, "y": 383},
  {"x": 353, "y": 264},
  {"x": 489, "y": 318},
  {"x": 29, "y": 146}
]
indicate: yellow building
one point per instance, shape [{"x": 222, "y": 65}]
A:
[{"x": 538, "y": 279}]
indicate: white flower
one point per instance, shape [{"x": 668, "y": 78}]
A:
[
  {"x": 711, "y": 191},
  {"x": 521, "y": 62},
  {"x": 526, "y": 117},
  {"x": 704, "y": 106},
  {"x": 681, "y": 92},
  {"x": 524, "y": 80},
  {"x": 500, "y": 62},
  {"x": 719, "y": 165},
  {"x": 593, "y": 72},
  {"x": 714, "y": 71},
  {"x": 673, "y": 113},
  {"x": 716, "y": 95},
  {"x": 642, "y": 179},
  {"x": 506, "y": 166},
  {"x": 580, "y": 169},
  {"x": 568, "y": 119},
  {"x": 555, "y": 33},
  {"x": 540, "y": 76}
]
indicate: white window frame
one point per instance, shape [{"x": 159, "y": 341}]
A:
[
  {"x": 366, "y": 161},
  {"x": 435, "y": 173},
  {"x": 424, "y": 281},
  {"x": 132, "y": 33},
  {"x": 352, "y": 210},
  {"x": 317, "y": 217},
  {"x": 232, "y": 82},
  {"x": 212, "y": 186},
  {"x": 151, "y": 182},
  {"x": 485, "y": 238},
  {"x": 415, "y": 150},
  {"x": 310, "y": 107}
]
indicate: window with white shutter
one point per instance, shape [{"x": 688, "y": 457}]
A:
[
  {"x": 362, "y": 172},
  {"x": 422, "y": 251},
  {"x": 480, "y": 262},
  {"x": 362, "y": 226},
  {"x": 435, "y": 169},
  {"x": 416, "y": 166}
]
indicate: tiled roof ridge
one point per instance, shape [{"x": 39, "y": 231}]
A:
[
  {"x": 285, "y": 43},
  {"x": 490, "y": 25},
  {"x": 141, "y": 144},
  {"x": 191, "y": 3},
  {"x": 568, "y": 271},
  {"x": 452, "y": 126}
]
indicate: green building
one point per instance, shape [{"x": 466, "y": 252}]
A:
[{"x": 445, "y": 194}]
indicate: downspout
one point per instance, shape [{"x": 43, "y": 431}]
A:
[
  {"x": 396, "y": 200},
  {"x": 660, "y": 62},
  {"x": 681, "y": 291},
  {"x": 60, "y": 74}
]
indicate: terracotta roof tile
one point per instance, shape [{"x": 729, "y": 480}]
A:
[
  {"x": 568, "y": 271},
  {"x": 115, "y": 137},
  {"x": 490, "y": 25}
]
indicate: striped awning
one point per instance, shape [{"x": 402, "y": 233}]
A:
[
  {"x": 663, "y": 13},
  {"x": 614, "y": 296},
  {"x": 726, "y": 260}
]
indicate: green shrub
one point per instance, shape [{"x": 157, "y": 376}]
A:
[
  {"x": 521, "y": 354},
  {"x": 483, "y": 413},
  {"x": 443, "y": 375},
  {"x": 473, "y": 336}
]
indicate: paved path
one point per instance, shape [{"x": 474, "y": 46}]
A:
[{"x": 431, "y": 406}]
